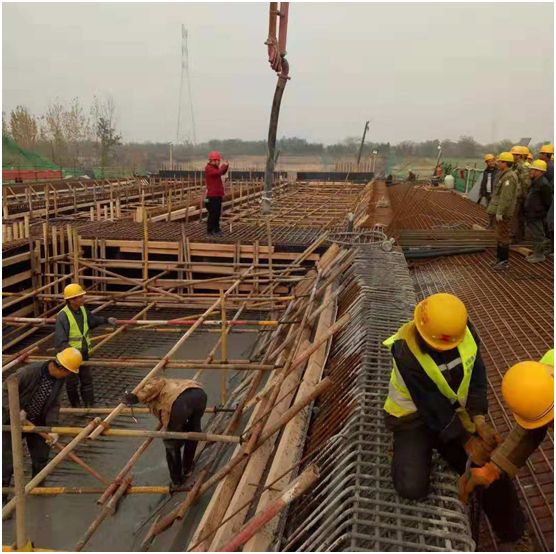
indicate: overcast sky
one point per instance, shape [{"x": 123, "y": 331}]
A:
[{"x": 417, "y": 71}]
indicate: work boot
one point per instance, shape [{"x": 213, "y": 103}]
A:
[
  {"x": 524, "y": 544},
  {"x": 535, "y": 258},
  {"x": 501, "y": 265}
]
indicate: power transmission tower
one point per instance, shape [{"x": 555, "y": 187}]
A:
[{"x": 186, "y": 117}]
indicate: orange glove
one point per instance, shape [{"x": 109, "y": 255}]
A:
[
  {"x": 477, "y": 477},
  {"x": 477, "y": 450},
  {"x": 491, "y": 438}
]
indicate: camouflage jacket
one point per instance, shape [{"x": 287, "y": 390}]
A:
[{"x": 505, "y": 195}]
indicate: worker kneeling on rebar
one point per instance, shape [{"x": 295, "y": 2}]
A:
[
  {"x": 40, "y": 386},
  {"x": 179, "y": 405},
  {"x": 437, "y": 399}
]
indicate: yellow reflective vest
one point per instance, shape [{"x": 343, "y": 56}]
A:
[
  {"x": 75, "y": 338},
  {"x": 399, "y": 402},
  {"x": 548, "y": 358}
]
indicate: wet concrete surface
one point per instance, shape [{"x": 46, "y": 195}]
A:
[{"x": 58, "y": 522}]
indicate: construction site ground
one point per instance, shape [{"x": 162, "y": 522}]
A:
[{"x": 442, "y": 243}]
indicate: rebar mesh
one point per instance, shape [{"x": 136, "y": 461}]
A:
[{"x": 353, "y": 506}]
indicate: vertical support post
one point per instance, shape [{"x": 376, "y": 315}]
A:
[
  {"x": 223, "y": 349},
  {"x": 75, "y": 256},
  {"x": 17, "y": 454},
  {"x": 145, "y": 247}
]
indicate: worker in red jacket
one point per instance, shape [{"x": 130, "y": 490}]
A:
[{"x": 215, "y": 191}]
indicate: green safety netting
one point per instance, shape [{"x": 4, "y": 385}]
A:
[{"x": 15, "y": 157}]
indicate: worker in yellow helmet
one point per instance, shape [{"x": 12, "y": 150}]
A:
[
  {"x": 487, "y": 182},
  {"x": 528, "y": 390},
  {"x": 520, "y": 154},
  {"x": 437, "y": 400},
  {"x": 546, "y": 154},
  {"x": 535, "y": 208},
  {"x": 502, "y": 207},
  {"x": 40, "y": 386},
  {"x": 73, "y": 324}
]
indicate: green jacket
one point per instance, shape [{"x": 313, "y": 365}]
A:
[
  {"x": 504, "y": 199},
  {"x": 524, "y": 178}
]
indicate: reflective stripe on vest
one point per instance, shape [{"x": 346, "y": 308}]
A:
[
  {"x": 75, "y": 338},
  {"x": 548, "y": 358},
  {"x": 399, "y": 402}
]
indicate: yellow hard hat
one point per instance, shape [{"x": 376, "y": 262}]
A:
[
  {"x": 70, "y": 358},
  {"x": 506, "y": 157},
  {"x": 528, "y": 389},
  {"x": 524, "y": 150},
  {"x": 489, "y": 157},
  {"x": 530, "y": 157},
  {"x": 441, "y": 320},
  {"x": 72, "y": 291},
  {"x": 516, "y": 150},
  {"x": 547, "y": 149},
  {"x": 539, "y": 164}
]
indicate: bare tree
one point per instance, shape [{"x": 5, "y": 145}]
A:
[
  {"x": 52, "y": 131},
  {"x": 5, "y": 131},
  {"x": 76, "y": 130},
  {"x": 23, "y": 127},
  {"x": 104, "y": 117}
]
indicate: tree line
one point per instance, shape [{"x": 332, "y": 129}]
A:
[{"x": 72, "y": 135}]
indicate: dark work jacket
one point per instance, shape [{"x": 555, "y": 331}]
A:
[
  {"x": 433, "y": 408},
  {"x": 61, "y": 331},
  {"x": 538, "y": 199},
  {"x": 29, "y": 378},
  {"x": 488, "y": 171}
]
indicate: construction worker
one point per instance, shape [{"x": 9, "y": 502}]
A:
[
  {"x": 411, "y": 177},
  {"x": 520, "y": 154},
  {"x": 73, "y": 325},
  {"x": 502, "y": 207},
  {"x": 437, "y": 399},
  {"x": 215, "y": 191},
  {"x": 546, "y": 154},
  {"x": 40, "y": 385},
  {"x": 528, "y": 389},
  {"x": 487, "y": 182},
  {"x": 179, "y": 405},
  {"x": 529, "y": 160},
  {"x": 536, "y": 206}
]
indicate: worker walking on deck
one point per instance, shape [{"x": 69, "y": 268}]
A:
[
  {"x": 487, "y": 182},
  {"x": 179, "y": 405},
  {"x": 437, "y": 399},
  {"x": 528, "y": 390},
  {"x": 73, "y": 325},
  {"x": 40, "y": 385},
  {"x": 215, "y": 191},
  {"x": 502, "y": 207},
  {"x": 535, "y": 208}
]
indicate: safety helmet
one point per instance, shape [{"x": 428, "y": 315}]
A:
[
  {"x": 516, "y": 150},
  {"x": 530, "y": 157},
  {"x": 70, "y": 358},
  {"x": 489, "y": 157},
  {"x": 539, "y": 164},
  {"x": 215, "y": 156},
  {"x": 506, "y": 157},
  {"x": 441, "y": 320},
  {"x": 547, "y": 149},
  {"x": 524, "y": 150},
  {"x": 528, "y": 389},
  {"x": 72, "y": 291}
]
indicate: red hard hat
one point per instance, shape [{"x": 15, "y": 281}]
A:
[{"x": 215, "y": 155}]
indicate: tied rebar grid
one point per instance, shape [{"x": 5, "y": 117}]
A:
[
  {"x": 353, "y": 506},
  {"x": 513, "y": 313}
]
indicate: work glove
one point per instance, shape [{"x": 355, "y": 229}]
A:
[
  {"x": 477, "y": 450},
  {"x": 128, "y": 398},
  {"x": 22, "y": 416},
  {"x": 499, "y": 217},
  {"x": 487, "y": 432},
  {"x": 52, "y": 439},
  {"x": 113, "y": 321},
  {"x": 477, "y": 477}
]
